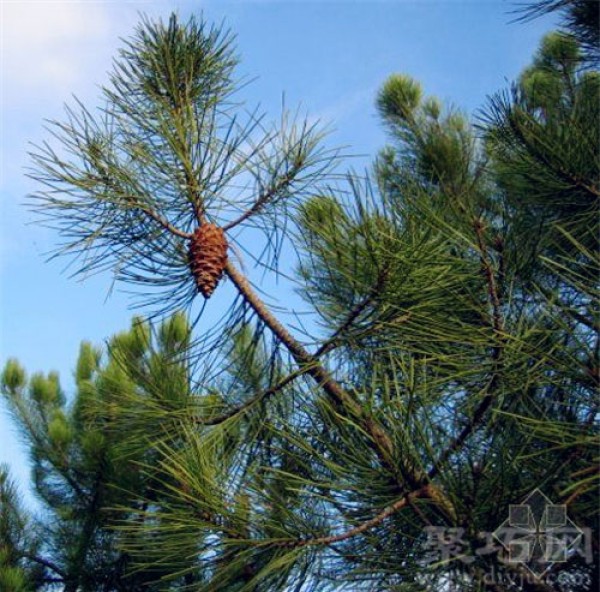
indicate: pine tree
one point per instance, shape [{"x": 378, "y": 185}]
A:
[
  {"x": 18, "y": 554},
  {"x": 90, "y": 458},
  {"x": 453, "y": 365},
  {"x": 579, "y": 18}
]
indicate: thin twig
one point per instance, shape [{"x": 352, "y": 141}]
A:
[
  {"x": 262, "y": 200},
  {"x": 211, "y": 421},
  {"x": 363, "y": 526},
  {"x": 497, "y": 323},
  {"x": 164, "y": 223},
  {"x": 45, "y": 563},
  {"x": 134, "y": 201},
  {"x": 333, "y": 340}
]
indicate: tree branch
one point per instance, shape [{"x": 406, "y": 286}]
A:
[
  {"x": 211, "y": 421},
  {"x": 333, "y": 340},
  {"x": 331, "y": 343},
  {"x": 497, "y": 322},
  {"x": 45, "y": 563},
  {"x": 363, "y": 526},
  {"x": 322, "y": 377},
  {"x": 134, "y": 201},
  {"x": 160, "y": 220},
  {"x": 263, "y": 199}
]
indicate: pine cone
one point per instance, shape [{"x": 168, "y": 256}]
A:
[{"x": 207, "y": 257}]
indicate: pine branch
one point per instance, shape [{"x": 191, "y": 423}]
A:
[
  {"x": 333, "y": 341},
  {"x": 328, "y": 345},
  {"x": 266, "y": 393},
  {"x": 545, "y": 162},
  {"x": 263, "y": 199},
  {"x": 160, "y": 220},
  {"x": 398, "y": 505},
  {"x": 135, "y": 202},
  {"x": 21, "y": 411},
  {"x": 497, "y": 324},
  {"x": 322, "y": 377},
  {"x": 46, "y": 563}
]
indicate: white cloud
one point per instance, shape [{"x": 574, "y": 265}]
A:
[
  {"x": 46, "y": 44},
  {"x": 346, "y": 105}
]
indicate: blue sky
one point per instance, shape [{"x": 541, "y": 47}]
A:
[{"x": 330, "y": 57}]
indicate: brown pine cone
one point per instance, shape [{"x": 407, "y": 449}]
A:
[{"x": 207, "y": 257}]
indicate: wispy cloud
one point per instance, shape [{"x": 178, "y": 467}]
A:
[
  {"x": 346, "y": 106},
  {"x": 42, "y": 44}
]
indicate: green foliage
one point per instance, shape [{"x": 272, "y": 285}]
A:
[
  {"x": 170, "y": 149},
  {"x": 87, "y": 362},
  {"x": 449, "y": 363},
  {"x": 18, "y": 540},
  {"x": 399, "y": 98},
  {"x": 435, "y": 150},
  {"x": 45, "y": 390},
  {"x": 175, "y": 334},
  {"x": 544, "y": 144},
  {"x": 91, "y": 456},
  {"x": 13, "y": 376},
  {"x": 579, "y": 18}
]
